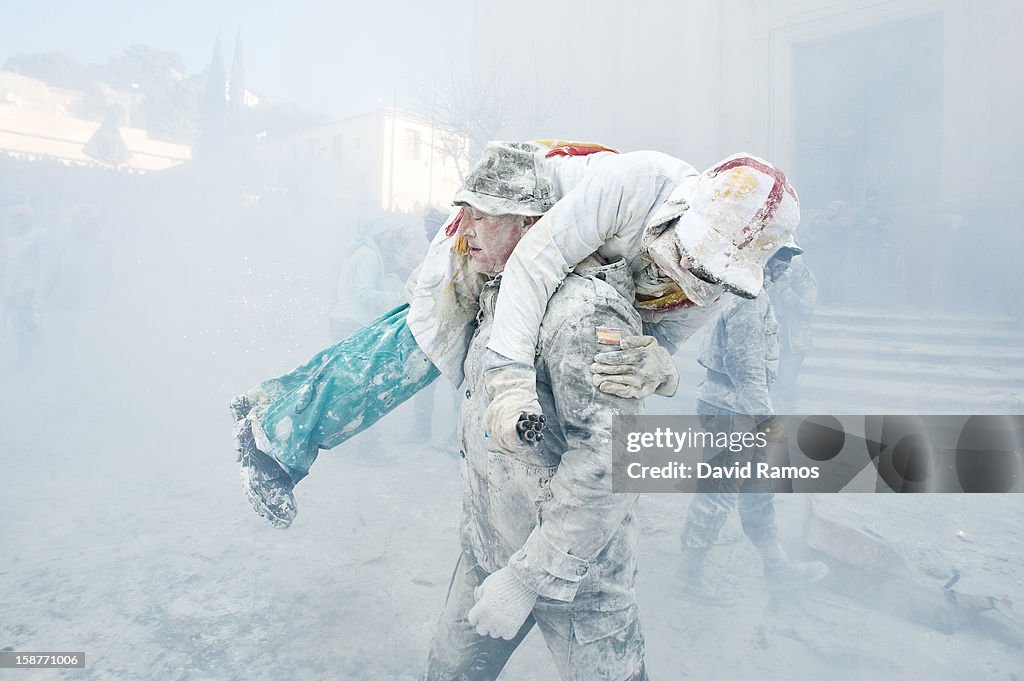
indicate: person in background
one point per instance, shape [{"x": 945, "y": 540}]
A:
[
  {"x": 741, "y": 355},
  {"x": 827, "y": 239},
  {"x": 363, "y": 290},
  {"x": 871, "y": 257},
  {"x": 23, "y": 286},
  {"x": 794, "y": 295}
]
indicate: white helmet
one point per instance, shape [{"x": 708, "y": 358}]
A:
[{"x": 741, "y": 211}]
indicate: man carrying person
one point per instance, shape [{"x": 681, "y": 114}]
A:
[
  {"x": 677, "y": 229},
  {"x": 545, "y": 542}
]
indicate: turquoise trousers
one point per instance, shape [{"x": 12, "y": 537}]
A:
[{"x": 341, "y": 391}]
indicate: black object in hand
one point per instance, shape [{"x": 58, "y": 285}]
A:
[{"x": 530, "y": 427}]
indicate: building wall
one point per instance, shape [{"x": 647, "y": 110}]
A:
[
  {"x": 416, "y": 171},
  {"x": 953, "y": 200},
  {"x": 702, "y": 78},
  {"x": 38, "y": 122},
  {"x": 673, "y": 76},
  {"x": 376, "y": 161}
]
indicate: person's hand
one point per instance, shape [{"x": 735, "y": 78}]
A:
[
  {"x": 530, "y": 428},
  {"x": 640, "y": 367},
  {"x": 513, "y": 416},
  {"x": 502, "y": 605}
]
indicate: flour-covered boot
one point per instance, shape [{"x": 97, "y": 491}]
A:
[{"x": 265, "y": 483}]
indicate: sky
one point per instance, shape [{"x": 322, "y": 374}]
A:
[{"x": 335, "y": 58}]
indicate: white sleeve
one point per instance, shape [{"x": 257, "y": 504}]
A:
[
  {"x": 615, "y": 199},
  {"x": 443, "y": 305}
]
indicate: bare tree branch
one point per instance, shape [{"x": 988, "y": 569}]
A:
[{"x": 478, "y": 106}]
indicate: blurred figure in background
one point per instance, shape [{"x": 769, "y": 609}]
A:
[
  {"x": 23, "y": 286},
  {"x": 871, "y": 259},
  {"x": 794, "y": 295},
  {"x": 828, "y": 239},
  {"x": 741, "y": 355},
  {"x": 433, "y": 220},
  {"x": 363, "y": 288},
  {"x": 82, "y": 286}
]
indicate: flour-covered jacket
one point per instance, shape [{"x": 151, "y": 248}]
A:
[
  {"x": 741, "y": 354},
  {"x": 794, "y": 306},
  {"x": 548, "y": 511}
]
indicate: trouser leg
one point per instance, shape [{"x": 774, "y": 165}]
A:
[
  {"x": 457, "y": 652},
  {"x": 716, "y": 497},
  {"x": 757, "y": 515},
  {"x": 756, "y": 504},
  {"x": 708, "y": 512},
  {"x": 594, "y": 645},
  {"x": 340, "y": 392},
  {"x": 784, "y": 391},
  {"x": 424, "y": 406},
  {"x": 23, "y": 327}
]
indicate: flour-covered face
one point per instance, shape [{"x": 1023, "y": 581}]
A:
[
  {"x": 491, "y": 238},
  {"x": 775, "y": 268}
]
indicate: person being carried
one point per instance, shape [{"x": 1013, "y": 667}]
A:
[
  {"x": 688, "y": 238},
  {"x": 676, "y": 228}
]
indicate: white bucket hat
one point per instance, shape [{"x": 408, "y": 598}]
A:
[
  {"x": 510, "y": 179},
  {"x": 741, "y": 211}
]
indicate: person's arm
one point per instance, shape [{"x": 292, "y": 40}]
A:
[
  {"x": 614, "y": 201},
  {"x": 805, "y": 288},
  {"x": 581, "y": 513},
  {"x": 797, "y": 292},
  {"x": 744, "y": 357}
]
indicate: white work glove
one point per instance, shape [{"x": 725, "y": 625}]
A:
[
  {"x": 502, "y": 605},
  {"x": 513, "y": 417},
  {"x": 640, "y": 367}
]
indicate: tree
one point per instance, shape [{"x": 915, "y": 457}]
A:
[
  {"x": 477, "y": 105},
  {"x": 170, "y": 100},
  {"x": 54, "y": 68}
]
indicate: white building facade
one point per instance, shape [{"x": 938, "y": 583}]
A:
[{"x": 390, "y": 160}]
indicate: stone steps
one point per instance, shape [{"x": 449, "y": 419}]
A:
[{"x": 902, "y": 362}]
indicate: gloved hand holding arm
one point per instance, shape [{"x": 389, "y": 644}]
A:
[{"x": 640, "y": 367}]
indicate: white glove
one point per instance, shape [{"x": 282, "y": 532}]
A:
[
  {"x": 513, "y": 416},
  {"x": 639, "y": 368},
  {"x": 502, "y": 605}
]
